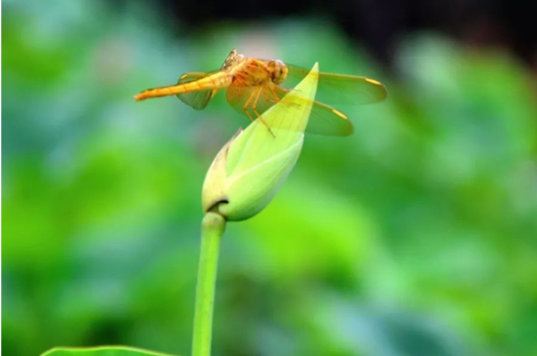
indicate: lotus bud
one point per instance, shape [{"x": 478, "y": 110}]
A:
[{"x": 250, "y": 169}]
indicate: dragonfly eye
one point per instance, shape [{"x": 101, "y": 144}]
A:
[{"x": 279, "y": 71}]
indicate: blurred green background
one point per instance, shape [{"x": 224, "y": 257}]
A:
[{"x": 415, "y": 236}]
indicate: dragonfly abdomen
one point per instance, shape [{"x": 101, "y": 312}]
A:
[{"x": 216, "y": 81}]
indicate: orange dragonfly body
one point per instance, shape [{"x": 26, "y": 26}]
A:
[{"x": 254, "y": 85}]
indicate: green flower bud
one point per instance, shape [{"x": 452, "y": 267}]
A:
[{"x": 250, "y": 169}]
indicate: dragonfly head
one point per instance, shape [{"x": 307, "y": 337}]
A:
[
  {"x": 232, "y": 59},
  {"x": 279, "y": 71}
]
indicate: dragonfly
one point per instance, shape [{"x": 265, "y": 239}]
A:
[{"x": 254, "y": 85}]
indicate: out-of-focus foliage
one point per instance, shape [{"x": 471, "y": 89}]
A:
[{"x": 415, "y": 236}]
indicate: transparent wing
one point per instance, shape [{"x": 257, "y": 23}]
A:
[
  {"x": 253, "y": 101},
  {"x": 340, "y": 88},
  {"x": 325, "y": 120},
  {"x": 198, "y": 99}
]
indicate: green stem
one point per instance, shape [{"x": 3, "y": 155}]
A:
[{"x": 213, "y": 226}]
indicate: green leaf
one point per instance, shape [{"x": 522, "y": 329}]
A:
[{"x": 101, "y": 351}]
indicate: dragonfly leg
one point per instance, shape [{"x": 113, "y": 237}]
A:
[
  {"x": 254, "y": 109},
  {"x": 246, "y": 104},
  {"x": 273, "y": 92},
  {"x": 248, "y": 115},
  {"x": 278, "y": 99},
  {"x": 266, "y": 96}
]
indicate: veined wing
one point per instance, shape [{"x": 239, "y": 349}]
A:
[
  {"x": 340, "y": 88},
  {"x": 253, "y": 101},
  {"x": 325, "y": 120},
  {"x": 196, "y": 99}
]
